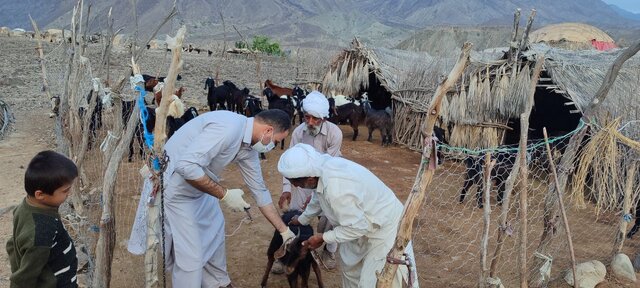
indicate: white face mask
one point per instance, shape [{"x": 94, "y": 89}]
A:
[{"x": 261, "y": 148}]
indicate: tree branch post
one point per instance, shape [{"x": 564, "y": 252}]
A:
[
  {"x": 425, "y": 172},
  {"x": 626, "y": 208},
  {"x": 484, "y": 269},
  {"x": 524, "y": 171},
  {"x": 562, "y": 207},
  {"x": 160, "y": 136}
]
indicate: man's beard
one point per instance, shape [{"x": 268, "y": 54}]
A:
[{"x": 313, "y": 130}]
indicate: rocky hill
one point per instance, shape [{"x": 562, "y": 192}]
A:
[{"x": 312, "y": 22}]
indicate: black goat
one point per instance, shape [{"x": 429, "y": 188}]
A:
[
  {"x": 253, "y": 106},
  {"x": 297, "y": 259},
  {"x": 276, "y": 102},
  {"x": 127, "y": 110},
  {"x": 230, "y": 98},
  {"x": 217, "y": 98},
  {"x": 499, "y": 173},
  {"x": 349, "y": 113},
  {"x": 96, "y": 118},
  {"x": 209, "y": 85},
  {"x": 378, "y": 119},
  {"x": 239, "y": 97},
  {"x": 173, "y": 124},
  {"x": 299, "y": 94}
]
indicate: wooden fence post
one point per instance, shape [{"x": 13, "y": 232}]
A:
[{"x": 425, "y": 172}]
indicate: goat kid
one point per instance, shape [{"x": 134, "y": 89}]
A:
[
  {"x": 296, "y": 258},
  {"x": 378, "y": 119}
]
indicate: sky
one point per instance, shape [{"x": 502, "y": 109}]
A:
[{"x": 630, "y": 5}]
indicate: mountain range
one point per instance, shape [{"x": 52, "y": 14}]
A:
[{"x": 314, "y": 22}]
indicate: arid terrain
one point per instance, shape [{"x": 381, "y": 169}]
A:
[{"x": 443, "y": 225}]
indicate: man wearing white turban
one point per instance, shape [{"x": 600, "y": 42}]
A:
[
  {"x": 325, "y": 137},
  {"x": 364, "y": 212}
]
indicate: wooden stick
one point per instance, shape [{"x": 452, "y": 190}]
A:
[
  {"x": 425, "y": 172},
  {"x": 612, "y": 73},
  {"x": 562, "y": 208},
  {"x": 45, "y": 82},
  {"x": 160, "y": 136},
  {"x": 224, "y": 34},
  {"x": 513, "y": 47},
  {"x": 525, "y": 35},
  {"x": 524, "y": 171},
  {"x": 484, "y": 272},
  {"x": 626, "y": 207},
  {"x": 107, "y": 236}
]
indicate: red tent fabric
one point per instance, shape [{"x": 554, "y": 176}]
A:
[{"x": 602, "y": 46}]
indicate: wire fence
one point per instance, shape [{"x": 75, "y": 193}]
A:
[{"x": 448, "y": 233}]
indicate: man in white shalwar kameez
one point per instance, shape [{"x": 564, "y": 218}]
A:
[
  {"x": 325, "y": 137},
  {"x": 194, "y": 224},
  {"x": 364, "y": 212}
]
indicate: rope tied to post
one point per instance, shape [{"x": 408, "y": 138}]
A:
[{"x": 407, "y": 261}]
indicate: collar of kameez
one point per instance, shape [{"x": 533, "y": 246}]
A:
[
  {"x": 320, "y": 187},
  {"x": 248, "y": 130}
]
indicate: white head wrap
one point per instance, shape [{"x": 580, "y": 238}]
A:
[
  {"x": 301, "y": 160},
  {"x": 316, "y": 104}
]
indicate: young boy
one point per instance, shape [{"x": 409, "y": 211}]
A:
[{"x": 40, "y": 251}]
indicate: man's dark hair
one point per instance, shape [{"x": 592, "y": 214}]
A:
[
  {"x": 48, "y": 171},
  {"x": 277, "y": 118}
]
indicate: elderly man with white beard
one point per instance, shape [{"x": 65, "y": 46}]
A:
[
  {"x": 325, "y": 137},
  {"x": 364, "y": 212}
]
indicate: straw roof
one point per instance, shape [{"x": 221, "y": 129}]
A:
[
  {"x": 491, "y": 92},
  {"x": 350, "y": 69}
]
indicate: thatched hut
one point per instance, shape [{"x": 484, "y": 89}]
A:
[
  {"x": 485, "y": 107},
  {"x": 377, "y": 71}
]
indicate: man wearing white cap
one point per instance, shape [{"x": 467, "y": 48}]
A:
[
  {"x": 325, "y": 137},
  {"x": 364, "y": 212}
]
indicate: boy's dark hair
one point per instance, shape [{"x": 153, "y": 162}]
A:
[
  {"x": 277, "y": 118},
  {"x": 48, "y": 171}
]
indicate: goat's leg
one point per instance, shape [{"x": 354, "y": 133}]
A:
[
  {"x": 305, "y": 270},
  {"x": 293, "y": 280},
  {"x": 468, "y": 182},
  {"x": 130, "y": 158},
  {"x": 318, "y": 272},
  {"x": 370, "y": 133},
  {"x": 501, "y": 187},
  {"x": 355, "y": 132},
  {"x": 265, "y": 277},
  {"x": 480, "y": 192},
  {"x": 636, "y": 224},
  {"x": 140, "y": 137}
]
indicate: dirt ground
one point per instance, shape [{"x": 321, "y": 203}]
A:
[{"x": 246, "y": 248}]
